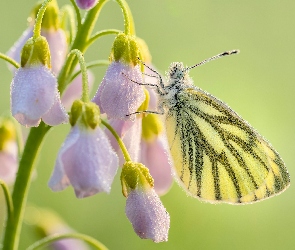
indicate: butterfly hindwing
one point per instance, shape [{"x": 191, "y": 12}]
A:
[{"x": 218, "y": 156}]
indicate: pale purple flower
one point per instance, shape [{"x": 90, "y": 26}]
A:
[
  {"x": 156, "y": 157},
  {"x": 58, "y": 47},
  {"x": 148, "y": 216},
  {"x": 34, "y": 95},
  {"x": 86, "y": 4},
  {"x": 87, "y": 161},
  {"x": 130, "y": 133},
  {"x": 15, "y": 51},
  {"x": 117, "y": 96},
  {"x": 66, "y": 244},
  {"x": 8, "y": 162},
  {"x": 74, "y": 90},
  {"x": 57, "y": 42}
]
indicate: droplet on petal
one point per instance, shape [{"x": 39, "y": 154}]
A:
[
  {"x": 117, "y": 96},
  {"x": 33, "y": 93},
  {"x": 86, "y": 161},
  {"x": 148, "y": 216}
]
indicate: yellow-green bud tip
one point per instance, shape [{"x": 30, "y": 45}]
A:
[
  {"x": 133, "y": 175},
  {"x": 125, "y": 49},
  {"x": 35, "y": 52}
]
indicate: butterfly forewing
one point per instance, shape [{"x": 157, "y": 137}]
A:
[{"x": 218, "y": 156}]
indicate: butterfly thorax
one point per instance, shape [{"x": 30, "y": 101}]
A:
[{"x": 177, "y": 80}]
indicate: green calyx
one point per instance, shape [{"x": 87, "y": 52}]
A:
[
  {"x": 51, "y": 16},
  {"x": 36, "y": 52},
  {"x": 133, "y": 175},
  {"x": 7, "y": 132},
  {"x": 87, "y": 113},
  {"x": 125, "y": 48}
]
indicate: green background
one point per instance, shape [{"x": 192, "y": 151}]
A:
[{"x": 259, "y": 84}]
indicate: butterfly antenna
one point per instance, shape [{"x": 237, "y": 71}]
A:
[{"x": 226, "y": 53}]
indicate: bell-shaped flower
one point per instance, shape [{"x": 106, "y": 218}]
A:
[
  {"x": 154, "y": 149},
  {"x": 47, "y": 223},
  {"x": 86, "y": 160},
  {"x": 55, "y": 36},
  {"x": 34, "y": 93},
  {"x": 8, "y": 151},
  {"x": 129, "y": 132},
  {"x": 86, "y": 4},
  {"x": 144, "y": 209},
  {"x": 120, "y": 93},
  {"x": 117, "y": 96}
]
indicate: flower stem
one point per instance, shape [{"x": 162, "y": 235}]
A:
[
  {"x": 119, "y": 140},
  {"x": 102, "y": 33},
  {"x": 9, "y": 60},
  {"x": 91, "y": 65},
  {"x": 85, "y": 86},
  {"x": 7, "y": 198},
  {"x": 68, "y": 18},
  {"x": 21, "y": 186},
  {"x": 50, "y": 239},
  {"x": 78, "y": 15},
  {"x": 38, "y": 22},
  {"x": 128, "y": 19},
  {"x": 79, "y": 43}
]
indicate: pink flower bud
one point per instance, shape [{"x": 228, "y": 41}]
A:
[
  {"x": 148, "y": 216},
  {"x": 86, "y": 4}
]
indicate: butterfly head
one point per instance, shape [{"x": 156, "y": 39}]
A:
[{"x": 177, "y": 71}]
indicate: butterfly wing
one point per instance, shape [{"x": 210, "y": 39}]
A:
[{"x": 218, "y": 156}]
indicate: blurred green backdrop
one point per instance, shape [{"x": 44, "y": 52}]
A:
[{"x": 259, "y": 84}]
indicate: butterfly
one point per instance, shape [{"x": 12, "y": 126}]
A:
[{"x": 218, "y": 157}]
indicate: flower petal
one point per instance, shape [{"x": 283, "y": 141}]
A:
[
  {"x": 155, "y": 155},
  {"x": 119, "y": 96},
  {"x": 58, "y": 180},
  {"x": 32, "y": 93},
  {"x": 57, "y": 114},
  {"x": 58, "y": 46},
  {"x": 15, "y": 51},
  {"x": 90, "y": 163},
  {"x": 148, "y": 216},
  {"x": 86, "y": 4}
]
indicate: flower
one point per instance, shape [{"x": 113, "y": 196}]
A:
[
  {"x": 155, "y": 154},
  {"x": 129, "y": 132},
  {"x": 117, "y": 96},
  {"x": 8, "y": 151},
  {"x": 156, "y": 157},
  {"x": 86, "y": 4},
  {"x": 34, "y": 95},
  {"x": 55, "y": 36},
  {"x": 86, "y": 160},
  {"x": 148, "y": 216},
  {"x": 144, "y": 209}
]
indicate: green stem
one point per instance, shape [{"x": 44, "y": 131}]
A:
[
  {"x": 21, "y": 186},
  {"x": 9, "y": 60},
  {"x": 128, "y": 19},
  {"x": 52, "y": 238},
  {"x": 91, "y": 65},
  {"x": 78, "y": 15},
  {"x": 8, "y": 199},
  {"x": 85, "y": 86},
  {"x": 102, "y": 33},
  {"x": 79, "y": 43},
  {"x": 119, "y": 140},
  {"x": 38, "y": 21}
]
